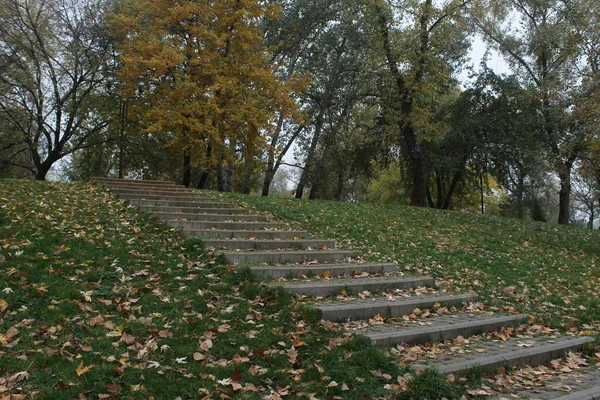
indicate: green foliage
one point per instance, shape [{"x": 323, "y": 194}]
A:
[
  {"x": 389, "y": 186},
  {"x": 537, "y": 212},
  {"x": 429, "y": 385}
]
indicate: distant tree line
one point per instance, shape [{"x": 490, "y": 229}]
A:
[{"x": 364, "y": 92}]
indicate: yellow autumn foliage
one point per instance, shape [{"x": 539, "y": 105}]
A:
[{"x": 210, "y": 84}]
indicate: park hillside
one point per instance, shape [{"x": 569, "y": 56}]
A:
[
  {"x": 99, "y": 300},
  {"x": 356, "y": 100}
]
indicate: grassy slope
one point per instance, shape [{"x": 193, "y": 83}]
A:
[
  {"x": 97, "y": 301},
  {"x": 548, "y": 270}
]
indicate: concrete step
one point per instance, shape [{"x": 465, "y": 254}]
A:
[
  {"x": 353, "y": 285},
  {"x": 365, "y": 309},
  {"x": 260, "y": 244},
  {"x": 199, "y": 209},
  {"x": 287, "y": 256},
  {"x": 241, "y": 234},
  {"x": 117, "y": 187},
  {"x": 178, "y": 203},
  {"x": 445, "y": 327},
  {"x": 159, "y": 197},
  {"x": 577, "y": 384},
  {"x": 319, "y": 269},
  {"x": 209, "y": 217},
  {"x": 225, "y": 225},
  {"x": 151, "y": 194},
  {"x": 490, "y": 355},
  {"x": 133, "y": 182},
  {"x": 588, "y": 394}
]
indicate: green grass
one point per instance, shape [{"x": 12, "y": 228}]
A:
[
  {"x": 550, "y": 271},
  {"x": 98, "y": 301}
]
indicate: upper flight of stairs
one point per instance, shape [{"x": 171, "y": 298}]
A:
[{"x": 373, "y": 297}]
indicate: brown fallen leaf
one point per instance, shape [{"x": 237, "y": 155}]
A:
[
  {"x": 292, "y": 356},
  {"x": 206, "y": 345}
]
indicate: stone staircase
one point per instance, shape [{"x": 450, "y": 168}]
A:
[{"x": 373, "y": 299}]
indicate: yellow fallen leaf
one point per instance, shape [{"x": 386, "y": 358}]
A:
[
  {"x": 298, "y": 343},
  {"x": 83, "y": 370},
  {"x": 3, "y": 305}
]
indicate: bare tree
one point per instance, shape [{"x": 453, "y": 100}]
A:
[{"x": 51, "y": 55}]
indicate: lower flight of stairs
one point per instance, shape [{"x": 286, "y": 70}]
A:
[{"x": 372, "y": 299}]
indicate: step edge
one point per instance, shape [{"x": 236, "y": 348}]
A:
[
  {"x": 592, "y": 393},
  {"x": 417, "y": 299},
  {"x": 516, "y": 355},
  {"x": 353, "y": 282},
  {"x": 466, "y": 324}
]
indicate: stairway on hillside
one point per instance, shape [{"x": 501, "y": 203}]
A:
[{"x": 373, "y": 299}]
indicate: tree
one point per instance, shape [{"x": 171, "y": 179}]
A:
[
  {"x": 585, "y": 191},
  {"x": 212, "y": 86},
  {"x": 544, "y": 50},
  {"x": 51, "y": 55},
  {"x": 420, "y": 43},
  {"x": 294, "y": 37}
]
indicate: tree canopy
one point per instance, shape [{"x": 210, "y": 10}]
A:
[{"x": 361, "y": 100}]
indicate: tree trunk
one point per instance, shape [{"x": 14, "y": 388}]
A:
[
  {"x": 520, "y": 195},
  {"x": 318, "y": 173},
  {"x": 430, "y": 198},
  {"x": 220, "y": 181},
  {"x": 440, "y": 190},
  {"x": 42, "y": 168},
  {"x": 41, "y": 172},
  {"x": 340, "y": 185},
  {"x": 269, "y": 174},
  {"x": 455, "y": 180},
  {"x": 229, "y": 177},
  {"x": 420, "y": 175},
  {"x": 564, "y": 195},
  {"x": 481, "y": 193},
  {"x": 247, "y": 182},
  {"x": 310, "y": 157},
  {"x": 187, "y": 169},
  {"x": 273, "y": 168},
  {"x": 203, "y": 180}
]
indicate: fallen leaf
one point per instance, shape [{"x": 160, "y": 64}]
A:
[
  {"x": 83, "y": 370},
  {"x": 206, "y": 345}
]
